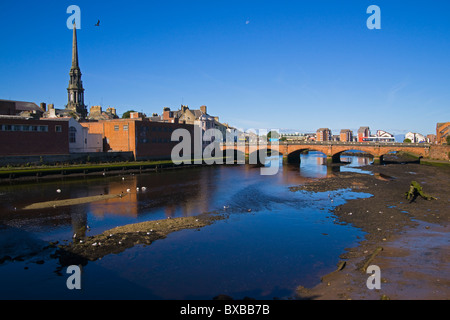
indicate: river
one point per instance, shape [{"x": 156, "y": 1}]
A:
[{"x": 288, "y": 239}]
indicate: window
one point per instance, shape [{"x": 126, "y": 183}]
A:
[
  {"x": 43, "y": 128},
  {"x": 58, "y": 128},
  {"x": 125, "y": 127},
  {"x": 34, "y": 128},
  {"x": 72, "y": 135},
  {"x": 26, "y": 128},
  {"x": 17, "y": 128},
  {"x": 116, "y": 128}
]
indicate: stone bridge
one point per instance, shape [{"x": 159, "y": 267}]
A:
[{"x": 333, "y": 150}]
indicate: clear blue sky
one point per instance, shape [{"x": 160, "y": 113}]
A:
[{"x": 256, "y": 64}]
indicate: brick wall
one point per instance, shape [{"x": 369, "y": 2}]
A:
[
  {"x": 15, "y": 140},
  {"x": 439, "y": 152}
]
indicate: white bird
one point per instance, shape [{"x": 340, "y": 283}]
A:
[
  {"x": 128, "y": 190},
  {"x": 123, "y": 178},
  {"x": 58, "y": 191},
  {"x": 137, "y": 189},
  {"x": 144, "y": 188}
]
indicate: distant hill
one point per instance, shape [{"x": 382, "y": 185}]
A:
[{"x": 399, "y": 137}]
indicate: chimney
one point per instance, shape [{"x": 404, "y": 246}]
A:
[
  {"x": 203, "y": 109},
  {"x": 136, "y": 115},
  {"x": 51, "y": 107},
  {"x": 43, "y": 106}
]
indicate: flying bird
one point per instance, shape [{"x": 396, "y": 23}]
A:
[{"x": 98, "y": 23}]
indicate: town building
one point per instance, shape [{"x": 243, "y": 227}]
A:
[
  {"x": 431, "y": 138},
  {"x": 383, "y": 136},
  {"x": 346, "y": 135},
  {"x": 293, "y": 137},
  {"x": 96, "y": 113},
  {"x": 21, "y": 108},
  {"x": 442, "y": 132},
  {"x": 415, "y": 137},
  {"x": 20, "y": 136},
  {"x": 363, "y": 134},
  {"x": 205, "y": 122},
  {"x": 323, "y": 134},
  {"x": 147, "y": 140},
  {"x": 80, "y": 139}
]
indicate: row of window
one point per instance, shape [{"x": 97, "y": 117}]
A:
[
  {"x": 27, "y": 128},
  {"x": 160, "y": 140},
  {"x": 145, "y": 129}
]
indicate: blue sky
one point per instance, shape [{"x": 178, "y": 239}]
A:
[{"x": 256, "y": 64}]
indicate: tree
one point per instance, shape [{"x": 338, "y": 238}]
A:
[
  {"x": 273, "y": 135},
  {"x": 126, "y": 115},
  {"x": 448, "y": 140},
  {"x": 407, "y": 141}
]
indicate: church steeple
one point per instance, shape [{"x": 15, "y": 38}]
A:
[
  {"x": 75, "y": 48},
  {"x": 75, "y": 89}
]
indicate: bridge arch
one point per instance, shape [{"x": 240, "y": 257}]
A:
[
  {"x": 336, "y": 157},
  {"x": 258, "y": 157},
  {"x": 294, "y": 157}
]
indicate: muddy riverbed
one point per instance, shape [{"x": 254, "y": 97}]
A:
[{"x": 409, "y": 241}]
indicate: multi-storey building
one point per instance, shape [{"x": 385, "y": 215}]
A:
[
  {"x": 442, "y": 132},
  {"x": 346, "y": 135},
  {"x": 148, "y": 140},
  {"x": 323, "y": 134}
]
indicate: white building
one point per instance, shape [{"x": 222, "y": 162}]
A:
[
  {"x": 205, "y": 122},
  {"x": 415, "y": 137},
  {"x": 384, "y": 136},
  {"x": 80, "y": 140}
]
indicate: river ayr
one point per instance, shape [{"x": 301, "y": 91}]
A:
[{"x": 272, "y": 241}]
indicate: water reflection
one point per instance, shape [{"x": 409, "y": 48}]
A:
[
  {"x": 262, "y": 254},
  {"x": 167, "y": 194}
]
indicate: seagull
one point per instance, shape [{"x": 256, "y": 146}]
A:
[
  {"x": 144, "y": 188},
  {"x": 128, "y": 190},
  {"x": 137, "y": 189},
  {"x": 58, "y": 191},
  {"x": 98, "y": 23}
]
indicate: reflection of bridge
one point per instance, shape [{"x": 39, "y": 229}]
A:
[{"x": 333, "y": 150}]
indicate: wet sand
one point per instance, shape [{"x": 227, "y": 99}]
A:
[
  {"x": 71, "y": 202},
  {"x": 412, "y": 238}
]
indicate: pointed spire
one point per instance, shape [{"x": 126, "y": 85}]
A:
[{"x": 75, "y": 48}]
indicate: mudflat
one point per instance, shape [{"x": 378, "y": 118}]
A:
[{"x": 408, "y": 240}]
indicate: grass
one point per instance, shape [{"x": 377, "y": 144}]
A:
[
  {"x": 6, "y": 172},
  {"x": 73, "y": 168}
]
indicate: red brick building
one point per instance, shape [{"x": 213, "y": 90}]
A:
[
  {"x": 442, "y": 132},
  {"x": 363, "y": 134},
  {"x": 323, "y": 134},
  {"x": 346, "y": 135},
  {"x": 146, "y": 139},
  {"x": 27, "y": 137}
]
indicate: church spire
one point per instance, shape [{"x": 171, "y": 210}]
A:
[
  {"x": 75, "y": 90},
  {"x": 75, "y": 48}
]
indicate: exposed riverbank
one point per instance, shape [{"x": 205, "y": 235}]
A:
[
  {"x": 406, "y": 240},
  {"x": 117, "y": 240}
]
